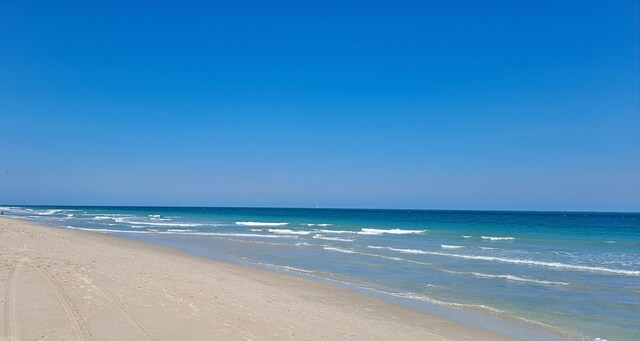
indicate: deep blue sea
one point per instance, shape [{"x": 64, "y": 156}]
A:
[{"x": 577, "y": 274}]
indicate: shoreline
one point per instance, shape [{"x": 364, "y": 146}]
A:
[
  {"x": 145, "y": 291},
  {"x": 479, "y": 317},
  {"x": 159, "y": 290}
]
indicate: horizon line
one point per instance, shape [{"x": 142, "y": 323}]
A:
[{"x": 337, "y": 208}]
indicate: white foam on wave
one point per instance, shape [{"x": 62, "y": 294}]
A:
[
  {"x": 466, "y": 237},
  {"x": 282, "y": 267},
  {"x": 413, "y": 296},
  {"x": 336, "y": 231},
  {"x": 452, "y": 304},
  {"x": 245, "y": 235},
  {"x": 126, "y": 221},
  {"x": 420, "y": 252},
  {"x": 461, "y": 305},
  {"x": 159, "y": 217},
  {"x": 167, "y": 224},
  {"x": 488, "y": 248},
  {"x": 251, "y": 241},
  {"x": 319, "y": 236},
  {"x": 493, "y": 239},
  {"x": 223, "y": 234},
  {"x": 259, "y": 223},
  {"x": 369, "y": 231},
  {"x": 376, "y": 256},
  {"x": 337, "y": 249},
  {"x": 556, "y": 265},
  {"x": 509, "y": 277},
  {"x": 451, "y": 247},
  {"x": 186, "y": 233},
  {"x": 399, "y": 259},
  {"x": 256, "y": 230},
  {"x": 28, "y": 211},
  {"x": 109, "y": 230},
  {"x": 46, "y": 212},
  {"x": 291, "y": 268},
  {"x": 286, "y": 231}
]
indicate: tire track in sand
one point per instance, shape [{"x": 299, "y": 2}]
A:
[
  {"x": 79, "y": 326},
  {"x": 11, "y": 327},
  {"x": 136, "y": 324}
]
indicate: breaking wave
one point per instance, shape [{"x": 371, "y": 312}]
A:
[
  {"x": 319, "y": 236},
  {"x": 496, "y": 238},
  {"x": 185, "y": 232},
  {"x": 259, "y": 223},
  {"x": 451, "y": 247},
  {"x": 286, "y": 231},
  {"x": 337, "y": 249},
  {"x": 368, "y": 231}
]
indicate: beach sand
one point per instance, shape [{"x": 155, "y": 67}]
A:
[{"x": 59, "y": 284}]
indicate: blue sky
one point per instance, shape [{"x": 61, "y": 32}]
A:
[{"x": 527, "y": 105}]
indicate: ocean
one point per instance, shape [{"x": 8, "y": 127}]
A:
[{"x": 576, "y": 274}]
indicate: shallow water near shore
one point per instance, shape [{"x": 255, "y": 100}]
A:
[{"x": 575, "y": 273}]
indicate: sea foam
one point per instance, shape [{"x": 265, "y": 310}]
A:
[
  {"x": 286, "y": 231},
  {"x": 453, "y": 304},
  {"x": 496, "y": 238},
  {"x": 557, "y": 265},
  {"x": 259, "y": 223},
  {"x": 336, "y": 231},
  {"x": 509, "y": 277},
  {"x": 158, "y": 224},
  {"x": 337, "y": 249},
  {"x": 186, "y": 233},
  {"x": 368, "y": 231},
  {"x": 319, "y": 236},
  {"x": 46, "y": 212},
  {"x": 451, "y": 247},
  {"x": 375, "y": 255}
]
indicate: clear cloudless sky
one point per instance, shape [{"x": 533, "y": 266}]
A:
[{"x": 515, "y": 105}]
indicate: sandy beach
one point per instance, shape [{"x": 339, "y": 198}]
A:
[{"x": 68, "y": 284}]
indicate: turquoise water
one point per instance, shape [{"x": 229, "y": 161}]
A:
[{"x": 575, "y": 273}]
